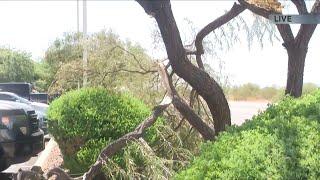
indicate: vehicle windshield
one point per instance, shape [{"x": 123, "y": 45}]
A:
[{"x": 23, "y": 100}]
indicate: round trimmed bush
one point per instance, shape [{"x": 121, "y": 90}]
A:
[
  {"x": 281, "y": 143},
  {"x": 86, "y": 120}
]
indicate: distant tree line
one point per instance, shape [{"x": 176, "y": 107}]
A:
[
  {"x": 16, "y": 66},
  {"x": 251, "y": 91}
]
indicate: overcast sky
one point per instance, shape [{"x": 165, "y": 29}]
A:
[{"x": 33, "y": 25}]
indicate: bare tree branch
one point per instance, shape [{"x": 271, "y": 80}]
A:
[
  {"x": 304, "y": 35},
  {"x": 205, "y": 110},
  {"x": 284, "y": 29},
  {"x": 120, "y": 143},
  {"x": 133, "y": 55},
  {"x": 60, "y": 174},
  {"x": 301, "y": 6},
  {"x": 201, "y": 81},
  {"x": 195, "y": 121},
  {"x": 316, "y": 7},
  {"x": 190, "y": 52},
  {"x": 193, "y": 96},
  {"x": 179, "y": 124},
  {"x": 106, "y": 73},
  {"x": 232, "y": 13},
  {"x": 306, "y": 30},
  {"x": 111, "y": 149}
]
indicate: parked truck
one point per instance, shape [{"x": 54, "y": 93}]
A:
[
  {"x": 40, "y": 108},
  {"x": 20, "y": 135}
]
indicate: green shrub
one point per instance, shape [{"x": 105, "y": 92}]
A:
[
  {"x": 86, "y": 120},
  {"x": 281, "y": 143}
]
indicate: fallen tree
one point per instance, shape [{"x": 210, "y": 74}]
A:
[
  {"x": 171, "y": 98},
  {"x": 106, "y": 153},
  {"x": 197, "y": 77}
]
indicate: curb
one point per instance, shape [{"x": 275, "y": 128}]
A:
[{"x": 43, "y": 157}]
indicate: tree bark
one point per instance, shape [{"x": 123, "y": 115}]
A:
[
  {"x": 296, "y": 61},
  {"x": 205, "y": 86},
  {"x": 194, "y": 120}
]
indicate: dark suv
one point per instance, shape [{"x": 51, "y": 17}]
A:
[
  {"x": 40, "y": 108},
  {"x": 20, "y": 135}
]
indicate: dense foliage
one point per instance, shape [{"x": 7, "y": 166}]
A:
[
  {"x": 112, "y": 63},
  {"x": 280, "y": 143},
  {"x": 84, "y": 121},
  {"x": 15, "y": 66}
]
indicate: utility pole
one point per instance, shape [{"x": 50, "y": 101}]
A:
[
  {"x": 78, "y": 29},
  {"x": 85, "y": 50}
]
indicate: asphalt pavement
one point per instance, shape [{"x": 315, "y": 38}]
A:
[{"x": 242, "y": 110}]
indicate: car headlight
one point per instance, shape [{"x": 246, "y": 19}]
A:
[{"x": 7, "y": 121}]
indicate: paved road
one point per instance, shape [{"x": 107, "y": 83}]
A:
[{"x": 242, "y": 110}]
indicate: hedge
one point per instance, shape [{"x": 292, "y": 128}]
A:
[
  {"x": 281, "y": 143},
  {"x": 86, "y": 120}
]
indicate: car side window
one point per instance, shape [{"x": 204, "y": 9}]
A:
[{"x": 7, "y": 97}]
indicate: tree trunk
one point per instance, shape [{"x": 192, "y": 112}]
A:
[
  {"x": 297, "y": 57},
  {"x": 205, "y": 86}
]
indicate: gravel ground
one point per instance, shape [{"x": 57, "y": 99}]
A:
[{"x": 54, "y": 160}]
